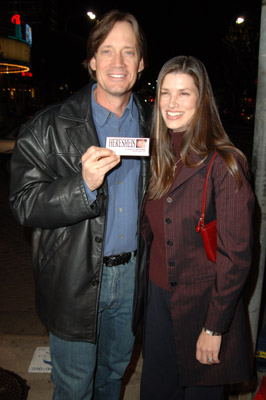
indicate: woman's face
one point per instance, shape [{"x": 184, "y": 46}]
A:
[{"x": 178, "y": 100}]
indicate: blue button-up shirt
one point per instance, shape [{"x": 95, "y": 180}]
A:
[{"x": 122, "y": 213}]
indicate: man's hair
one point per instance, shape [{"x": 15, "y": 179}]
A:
[{"x": 102, "y": 29}]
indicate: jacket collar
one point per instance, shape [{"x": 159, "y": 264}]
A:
[
  {"x": 77, "y": 110},
  {"x": 78, "y": 106}
]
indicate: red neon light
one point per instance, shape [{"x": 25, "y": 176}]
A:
[
  {"x": 26, "y": 74},
  {"x": 15, "y": 19}
]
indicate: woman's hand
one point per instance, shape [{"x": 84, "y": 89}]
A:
[{"x": 208, "y": 348}]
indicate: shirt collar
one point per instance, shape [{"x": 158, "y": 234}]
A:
[{"x": 101, "y": 114}]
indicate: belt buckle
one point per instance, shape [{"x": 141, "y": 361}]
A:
[{"x": 111, "y": 261}]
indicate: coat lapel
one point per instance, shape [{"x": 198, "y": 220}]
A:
[
  {"x": 187, "y": 172},
  {"x": 82, "y": 137},
  {"x": 78, "y": 109}
]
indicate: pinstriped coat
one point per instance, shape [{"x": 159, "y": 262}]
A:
[{"x": 203, "y": 293}]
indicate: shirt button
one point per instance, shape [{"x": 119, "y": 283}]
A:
[
  {"x": 169, "y": 243},
  {"x": 173, "y": 284},
  {"x": 121, "y": 236},
  {"x": 120, "y": 209},
  {"x": 169, "y": 200},
  {"x": 168, "y": 220}
]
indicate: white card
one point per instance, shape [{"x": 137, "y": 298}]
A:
[{"x": 128, "y": 146}]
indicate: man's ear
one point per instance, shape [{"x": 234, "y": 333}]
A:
[
  {"x": 141, "y": 65},
  {"x": 93, "y": 64}
]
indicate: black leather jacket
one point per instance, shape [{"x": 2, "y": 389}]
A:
[{"x": 47, "y": 193}]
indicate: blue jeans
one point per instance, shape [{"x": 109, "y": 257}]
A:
[{"x": 81, "y": 369}]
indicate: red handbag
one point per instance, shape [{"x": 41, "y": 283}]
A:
[
  {"x": 208, "y": 231},
  {"x": 261, "y": 393}
]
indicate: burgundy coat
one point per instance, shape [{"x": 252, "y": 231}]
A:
[{"x": 203, "y": 293}]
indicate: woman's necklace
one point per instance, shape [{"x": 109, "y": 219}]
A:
[{"x": 178, "y": 161}]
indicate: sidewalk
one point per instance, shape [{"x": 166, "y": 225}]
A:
[
  {"x": 16, "y": 355},
  {"x": 17, "y": 352}
]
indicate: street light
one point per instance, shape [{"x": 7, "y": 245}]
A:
[
  {"x": 240, "y": 20},
  {"x": 91, "y": 15}
]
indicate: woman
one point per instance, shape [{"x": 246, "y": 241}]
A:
[{"x": 195, "y": 338}]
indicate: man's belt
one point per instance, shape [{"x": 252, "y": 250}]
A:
[{"x": 122, "y": 258}]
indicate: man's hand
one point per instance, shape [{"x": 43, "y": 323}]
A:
[
  {"x": 208, "y": 348},
  {"x": 96, "y": 162}
]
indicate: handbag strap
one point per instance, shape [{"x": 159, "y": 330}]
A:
[{"x": 201, "y": 220}]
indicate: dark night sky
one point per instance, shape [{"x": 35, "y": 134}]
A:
[{"x": 182, "y": 27}]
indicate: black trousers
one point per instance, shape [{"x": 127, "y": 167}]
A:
[{"x": 160, "y": 376}]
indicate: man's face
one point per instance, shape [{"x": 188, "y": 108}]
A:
[{"x": 116, "y": 62}]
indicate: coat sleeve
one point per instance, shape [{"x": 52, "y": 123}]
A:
[
  {"x": 234, "y": 219},
  {"x": 42, "y": 196}
]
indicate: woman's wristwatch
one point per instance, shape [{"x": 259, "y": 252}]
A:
[{"x": 211, "y": 333}]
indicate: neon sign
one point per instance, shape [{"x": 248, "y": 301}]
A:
[
  {"x": 18, "y": 34},
  {"x": 15, "y": 19}
]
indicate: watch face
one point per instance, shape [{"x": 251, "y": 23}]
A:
[{"x": 211, "y": 333}]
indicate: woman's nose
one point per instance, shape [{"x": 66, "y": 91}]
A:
[{"x": 174, "y": 101}]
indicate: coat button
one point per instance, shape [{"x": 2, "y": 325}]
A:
[
  {"x": 95, "y": 282},
  {"x": 173, "y": 284},
  {"x": 171, "y": 263},
  {"x": 98, "y": 239},
  {"x": 169, "y": 243},
  {"x": 168, "y": 220},
  {"x": 169, "y": 199}
]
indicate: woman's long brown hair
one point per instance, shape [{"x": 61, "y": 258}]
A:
[{"x": 204, "y": 135}]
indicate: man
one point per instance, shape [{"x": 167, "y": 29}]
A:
[{"x": 83, "y": 201}]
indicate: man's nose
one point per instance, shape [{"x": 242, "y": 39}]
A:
[{"x": 118, "y": 59}]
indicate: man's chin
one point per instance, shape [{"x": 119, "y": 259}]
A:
[{"x": 120, "y": 91}]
